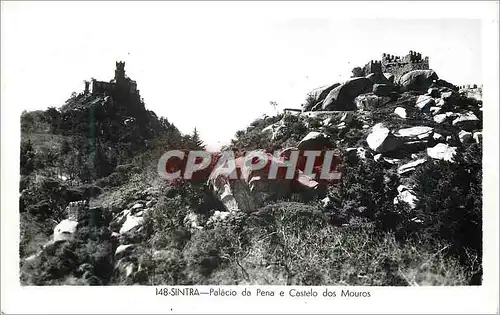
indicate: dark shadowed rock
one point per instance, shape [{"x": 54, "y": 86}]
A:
[
  {"x": 383, "y": 89},
  {"x": 467, "y": 121},
  {"x": 317, "y": 96},
  {"x": 342, "y": 97},
  {"x": 313, "y": 141},
  {"x": 378, "y": 78},
  {"x": 389, "y": 76}
]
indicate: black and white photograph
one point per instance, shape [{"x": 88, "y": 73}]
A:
[{"x": 203, "y": 148}]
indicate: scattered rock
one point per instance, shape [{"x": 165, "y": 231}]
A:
[
  {"x": 449, "y": 96},
  {"x": 424, "y": 103},
  {"x": 419, "y": 132},
  {"x": 400, "y": 111},
  {"x": 410, "y": 167},
  {"x": 65, "y": 230},
  {"x": 467, "y": 121},
  {"x": 137, "y": 206},
  {"x": 465, "y": 136},
  {"x": 313, "y": 141},
  {"x": 370, "y": 101},
  {"x": 437, "y": 137},
  {"x": 441, "y": 118},
  {"x": 356, "y": 153},
  {"x": 192, "y": 221},
  {"x": 325, "y": 201},
  {"x": 130, "y": 223},
  {"x": 382, "y": 140},
  {"x": 442, "y": 151},
  {"x": 391, "y": 161},
  {"x": 122, "y": 250},
  {"x": 433, "y": 92},
  {"x": 218, "y": 216},
  {"x": 405, "y": 195},
  {"x": 435, "y": 110},
  {"x": 166, "y": 254},
  {"x": 478, "y": 136},
  {"x": 150, "y": 203}
]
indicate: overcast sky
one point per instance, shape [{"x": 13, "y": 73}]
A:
[{"x": 212, "y": 67}]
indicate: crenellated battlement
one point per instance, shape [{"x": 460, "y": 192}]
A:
[
  {"x": 121, "y": 83},
  {"x": 397, "y": 65},
  {"x": 470, "y": 86},
  {"x": 373, "y": 66}
]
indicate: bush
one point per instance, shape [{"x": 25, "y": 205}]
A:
[
  {"x": 450, "y": 206},
  {"x": 368, "y": 189}
]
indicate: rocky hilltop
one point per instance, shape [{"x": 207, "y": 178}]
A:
[{"x": 407, "y": 209}]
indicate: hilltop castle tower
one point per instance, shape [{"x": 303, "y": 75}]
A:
[
  {"x": 120, "y": 72},
  {"x": 120, "y": 84}
]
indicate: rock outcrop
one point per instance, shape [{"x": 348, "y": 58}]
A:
[
  {"x": 418, "y": 80},
  {"x": 342, "y": 97},
  {"x": 382, "y": 140}
]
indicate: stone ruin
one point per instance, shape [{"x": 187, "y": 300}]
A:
[
  {"x": 395, "y": 65},
  {"x": 120, "y": 84}
]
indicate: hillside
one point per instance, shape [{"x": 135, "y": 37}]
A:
[{"x": 406, "y": 211}]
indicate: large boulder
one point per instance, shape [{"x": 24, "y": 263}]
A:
[
  {"x": 383, "y": 89},
  {"x": 415, "y": 133},
  {"x": 249, "y": 189},
  {"x": 405, "y": 195},
  {"x": 441, "y": 118},
  {"x": 410, "y": 167},
  {"x": 465, "y": 136},
  {"x": 424, "y": 103},
  {"x": 389, "y": 76},
  {"x": 342, "y": 97},
  {"x": 382, "y": 140},
  {"x": 467, "y": 121},
  {"x": 65, "y": 230},
  {"x": 418, "y": 80},
  {"x": 318, "y": 95},
  {"x": 416, "y": 146},
  {"x": 400, "y": 111},
  {"x": 378, "y": 78},
  {"x": 446, "y": 84},
  {"x": 314, "y": 141},
  {"x": 370, "y": 101},
  {"x": 442, "y": 151},
  {"x": 131, "y": 222}
]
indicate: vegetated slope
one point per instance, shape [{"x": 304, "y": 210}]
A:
[{"x": 385, "y": 223}]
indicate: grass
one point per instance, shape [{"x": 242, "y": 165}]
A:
[{"x": 289, "y": 243}]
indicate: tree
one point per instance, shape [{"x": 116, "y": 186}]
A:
[
  {"x": 196, "y": 142},
  {"x": 27, "y": 157}
]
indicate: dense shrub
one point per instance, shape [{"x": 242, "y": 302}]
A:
[
  {"x": 450, "y": 205},
  {"x": 368, "y": 188}
]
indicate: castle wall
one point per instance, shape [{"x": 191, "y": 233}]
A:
[
  {"x": 119, "y": 84},
  {"x": 373, "y": 66},
  {"x": 99, "y": 87},
  {"x": 398, "y": 66}
]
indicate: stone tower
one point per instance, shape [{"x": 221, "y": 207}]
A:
[{"x": 120, "y": 72}]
